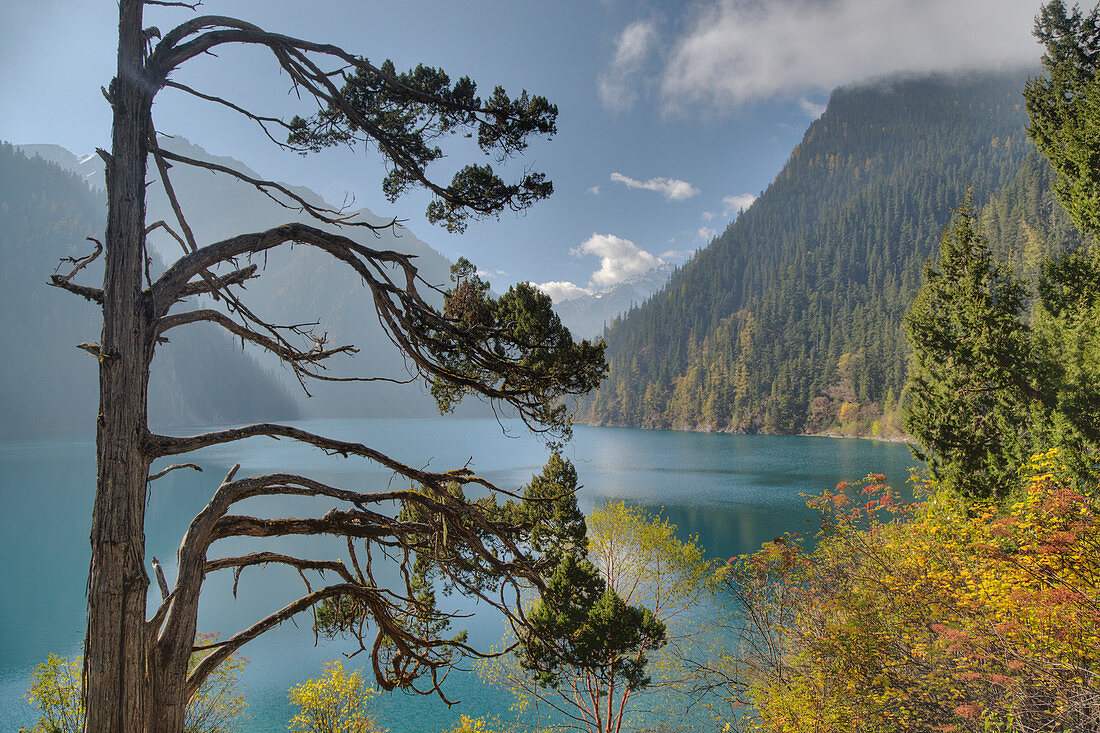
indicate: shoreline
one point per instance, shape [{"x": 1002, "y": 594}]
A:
[{"x": 895, "y": 438}]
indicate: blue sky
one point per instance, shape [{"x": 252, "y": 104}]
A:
[{"x": 672, "y": 114}]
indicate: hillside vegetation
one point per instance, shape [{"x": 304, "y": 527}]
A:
[{"x": 791, "y": 321}]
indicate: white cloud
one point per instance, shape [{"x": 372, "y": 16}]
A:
[
  {"x": 708, "y": 215},
  {"x": 618, "y": 85},
  {"x": 595, "y": 191},
  {"x": 813, "y": 110},
  {"x": 677, "y": 255},
  {"x": 561, "y": 290},
  {"x": 734, "y": 204},
  {"x": 619, "y": 258},
  {"x": 706, "y": 234},
  {"x": 673, "y": 189},
  {"x": 737, "y": 51}
]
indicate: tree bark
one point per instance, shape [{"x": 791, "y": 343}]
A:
[{"x": 115, "y": 653}]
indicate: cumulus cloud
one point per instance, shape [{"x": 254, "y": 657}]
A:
[
  {"x": 673, "y": 189},
  {"x": 618, "y": 85},
  {"x": 737, "y": 51},
  {"x": 562, "y": 290},
  {"x": 708, "y": 215},
  {"x": 595, "y": 191},
  {"x": 706, "y": 234},
  {"x": 813, "y": 110},
  {"x": 734, "y": 204},
  {"x": 619, "y": 258}
]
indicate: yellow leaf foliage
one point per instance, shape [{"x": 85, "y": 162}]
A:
[
  {"x": 940, "y": 616},
  {"x": 335, "y": 702}
]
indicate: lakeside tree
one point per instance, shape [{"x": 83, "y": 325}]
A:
[
  {"x": 513, "y": 351},
  {"x": 335, "y": 702},
  {"x": 1063, "y": 105},
  {"x": 998, "y": 374},
  {"x": 613, "y": 623},
  {"x": 1003, "y": 368},
  {"x": 970, "y": 375},
  {"x": 218, "y": 706}
]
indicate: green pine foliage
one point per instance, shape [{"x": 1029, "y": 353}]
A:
[
  {"x": 971, "y": 376},
  {"x": 1063, "y": 105},
  {"x": 792, "y": 320},
  {"x": 581, "y": 625},
  {"x": 1004, "y": 367}
]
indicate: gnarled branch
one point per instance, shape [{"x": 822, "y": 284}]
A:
[
  {"x": 175, "y": 467},
  {"x": 260, "y": 120},
  {"x": 164, "y": 445},
  {"x": 79, "y": 263},
  {"x": 321, "y": 213}
]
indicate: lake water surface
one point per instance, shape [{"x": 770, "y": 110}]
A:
[{"x": 733, "y": 491}]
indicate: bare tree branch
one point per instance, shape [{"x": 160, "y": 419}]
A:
[
  {"x": 161, "y": 224},
  {"x": 174, "y": 4},
  {"x": 265, "y": 558},
  {"x": 170, "y": 192},
  {"x": 163, "y": 445},
  {"x": 175, "y": 467},
  {"x": 321, "y": 213},
  {"x": 159, "y": 572},
  {"x": 218, "y": 284},
  {"x": 79, "y": 263},
  {"x": 95, "y": 295},
  {"x": 297, "y": 359},
  {"x": 291, "y": 355},
  {"x": 260, "y": 120},
  {"x": 226, "y": 649}
]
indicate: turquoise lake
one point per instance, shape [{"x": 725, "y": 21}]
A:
[{"x": 733, "y": 491}]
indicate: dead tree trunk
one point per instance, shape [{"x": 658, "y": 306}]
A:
[{"x": 115, "y": 652}]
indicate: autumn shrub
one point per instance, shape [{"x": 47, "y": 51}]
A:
[
  {"x": 218, "y": 706},
  {"x": 466, "y": 724},
  {"x": 335, "y": 702},
  {"x": 935, "y": 616}
]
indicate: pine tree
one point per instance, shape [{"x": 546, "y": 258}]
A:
[{"x": 969, "y": 374}]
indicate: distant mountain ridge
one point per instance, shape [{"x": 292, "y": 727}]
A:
[
  {"x": 588, "y": 315},
  {"x": 585, "y": 316},
  {"x": 298, "y": 284},
  {"x": 88, "y": 167},
  {"x": 47, "y": 386},
  {"x": 791, "y": 320}
]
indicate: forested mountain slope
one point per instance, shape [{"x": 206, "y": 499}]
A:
[
  {"x": 791, "y": 321},
  {"x": 47, "y": 385}
]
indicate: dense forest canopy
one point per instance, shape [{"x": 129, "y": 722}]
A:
[{"x": 791, "y": 321}]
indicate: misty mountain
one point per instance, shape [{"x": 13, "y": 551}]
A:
[
  {"x": 791, "y": 320},
  {"x": 588, "y": 315},
  {"x": 49, "y": 386},
  {"x": 297, "y": 284}
]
